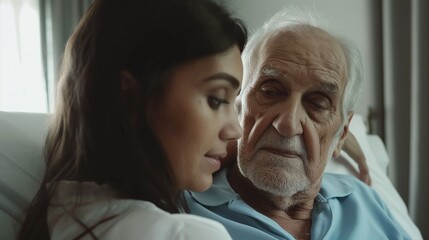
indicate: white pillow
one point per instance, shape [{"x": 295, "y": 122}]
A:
[{"x": 21, "y": 166}]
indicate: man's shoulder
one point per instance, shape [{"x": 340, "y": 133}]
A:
[
  {"x": 341, "y": 185},
  {"x": 351, "y": 193},
  {"x": 343, "y": 179},
  {"x": 349, "y": 198}
]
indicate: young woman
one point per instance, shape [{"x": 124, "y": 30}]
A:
[{"x": 144, "y": 111}]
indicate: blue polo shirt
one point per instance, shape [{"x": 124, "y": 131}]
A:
[{"x": 345, "y": 208}]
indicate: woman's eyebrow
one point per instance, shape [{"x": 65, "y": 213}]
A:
[{"x": 224, "y": 76}]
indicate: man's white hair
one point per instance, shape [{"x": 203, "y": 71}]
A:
[{"x": 297, "y": 20}]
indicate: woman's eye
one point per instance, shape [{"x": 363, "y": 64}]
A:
[{"x": 215, "y": 102}]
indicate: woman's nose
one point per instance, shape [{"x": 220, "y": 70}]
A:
[{"x": 232, "y": 130}]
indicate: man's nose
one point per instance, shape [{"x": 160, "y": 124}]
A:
[{"x": 289, "y": 118}]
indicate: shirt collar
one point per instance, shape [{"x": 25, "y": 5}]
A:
[
  {"x": 219, "y": 193},
  {"x": 335, "y": 186}
]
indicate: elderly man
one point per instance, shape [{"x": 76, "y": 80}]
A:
[{"x": 300, "y": 84}]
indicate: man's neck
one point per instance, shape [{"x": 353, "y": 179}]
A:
[{"x": 292, "y": 213}]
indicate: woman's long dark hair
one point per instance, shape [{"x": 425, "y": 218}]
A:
[{"x": 92, "y": 136}]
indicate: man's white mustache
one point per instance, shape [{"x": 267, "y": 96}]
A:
[{"x": 273, "y": 140}]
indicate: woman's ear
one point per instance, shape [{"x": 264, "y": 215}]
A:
[
  {"x": 130, "y": 95},
  {"x": 128, "y": 81}
]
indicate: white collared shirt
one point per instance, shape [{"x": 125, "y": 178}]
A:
[{"x": 99, "y": 209}]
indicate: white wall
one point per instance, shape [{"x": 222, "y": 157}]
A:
[{"x": 358, "y": 19}]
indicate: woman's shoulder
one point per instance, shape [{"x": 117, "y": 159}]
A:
[
  {"x": 144, "y": 218},
  {"x": 132, "y": 219},
  {"x": 109, "y": 217}
]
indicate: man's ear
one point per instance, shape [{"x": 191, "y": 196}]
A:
[{"x": 340, "y": 144}]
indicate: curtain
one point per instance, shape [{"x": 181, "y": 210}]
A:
[
  {"x": 33, "y": 34},
  {"x": 406, "y": 99},
  {"x": 59, "y": 18},
  {"x": 22, "y": 83}
]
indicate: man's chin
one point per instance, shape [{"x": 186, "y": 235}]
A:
[{"x": 283, "y": 188}]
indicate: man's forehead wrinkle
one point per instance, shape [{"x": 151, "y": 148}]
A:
[
  {"x": 334, "y": 60},
  {"x": 302, "y": 54},
  {"x": 280, "y": 71},
  {"x": 329, "y": 87},
  {"x": 316, "y": 51},
  {"x": 330, "y": 64},
  {"x": 283, "y": 39}
]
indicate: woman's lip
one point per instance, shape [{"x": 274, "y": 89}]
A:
[
  {"x": 214, "y": 161},
  {"x": 218, "y": 156}
]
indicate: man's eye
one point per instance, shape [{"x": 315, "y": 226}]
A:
[
  {"x": 321, "y": 104},
  {"x": 215, "y": 102},
  {"x": 270, "y": 91}
]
